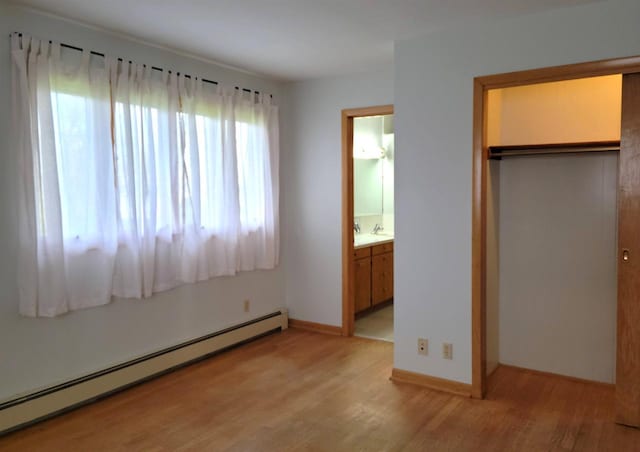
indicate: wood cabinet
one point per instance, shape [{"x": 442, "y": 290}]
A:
[
  {"x": 381, "y": 278},
  {"x": 362, "y": 291},
  {"x": 373, "y": 274}
]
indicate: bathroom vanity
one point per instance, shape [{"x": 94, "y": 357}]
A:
[{"x": 373, "y": 262}]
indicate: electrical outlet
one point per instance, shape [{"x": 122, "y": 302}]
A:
[
  {"x": 423, "y": 346},
  {"x": 447, "y": 350},
  {"x": 247, "y": 304}
]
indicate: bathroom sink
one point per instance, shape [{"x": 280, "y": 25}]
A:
[{"x": 369, "y": 239}]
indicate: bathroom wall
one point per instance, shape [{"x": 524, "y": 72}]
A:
[{"x": 388, "y": 182}]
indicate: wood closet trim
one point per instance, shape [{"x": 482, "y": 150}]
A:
[
  {"x": 613, "y": 66},
  {"x": 481, "y": 87},
  {"x": 348, "y": 310},
  {"x": 628, "y": 334}
]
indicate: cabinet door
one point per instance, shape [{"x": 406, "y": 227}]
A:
[
  {"x": 628, "y": 342},
  {"x": 382, "y": 278},
  {"x": 362, "y": 286}
]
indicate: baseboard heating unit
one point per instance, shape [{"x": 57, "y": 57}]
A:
[{"x": 30, "y": 408}]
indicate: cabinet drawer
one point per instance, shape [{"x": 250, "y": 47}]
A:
[
  {"x": 380, "y": 249},
  {"x": 361, "y": 253},
  {"x": 381, "y": 278}
]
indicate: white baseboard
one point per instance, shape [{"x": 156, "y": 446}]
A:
[{"x": 42, "y": 404}]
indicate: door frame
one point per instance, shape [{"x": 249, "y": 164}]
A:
[
  {"x": 481, "y": 86},
  {"x": 348, "y": 309}
]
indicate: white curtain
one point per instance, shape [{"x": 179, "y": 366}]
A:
[{"x": 134, "y": 181}]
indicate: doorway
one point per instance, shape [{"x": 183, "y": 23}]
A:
[
  {"x": 628, "y": 337},
  {"x": 367, "y": 222}
]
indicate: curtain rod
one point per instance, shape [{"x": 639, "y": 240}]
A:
[{"x": 155, "y": 68}]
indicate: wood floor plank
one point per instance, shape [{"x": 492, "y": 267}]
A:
[{"x": 299, "y": 390}]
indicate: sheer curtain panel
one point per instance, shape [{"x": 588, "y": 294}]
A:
[{"x": 134, "y": 181}]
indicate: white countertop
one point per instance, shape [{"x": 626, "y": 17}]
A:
[{"x": 363, "y": 240}]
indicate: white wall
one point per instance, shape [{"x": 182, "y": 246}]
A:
[
  {"x": 558, "y": 264},
  {"x": 40, "y": 352},
  {"x": 312, "y": 189},
  {"x": 433, "y": 119},
  {"x": 586, "y": 109}
]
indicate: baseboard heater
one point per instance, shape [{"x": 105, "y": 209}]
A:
[{"x": 43, "y": 404}]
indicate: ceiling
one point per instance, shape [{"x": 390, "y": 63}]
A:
[{"x": 286, "y": 39}]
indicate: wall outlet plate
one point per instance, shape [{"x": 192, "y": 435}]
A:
[
  {"x": 247, "y": 305},
  {"x": 447, "y": 350},
  {"x": 423, "y": 346}
]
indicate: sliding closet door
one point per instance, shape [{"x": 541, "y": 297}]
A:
[{"x": 628, "y": 353}]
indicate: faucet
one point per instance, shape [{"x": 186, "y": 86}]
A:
[
  {"x": 356, "y": 226},
  {"x": 377, "y": 228}
]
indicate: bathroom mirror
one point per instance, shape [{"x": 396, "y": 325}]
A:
[
  {"x": 367, "y": 187},
  {"x": 373, "y": 167}
]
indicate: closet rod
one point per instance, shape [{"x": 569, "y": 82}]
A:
[
  {"x": 499, "y": 152},
  {"x": 155, "y": 68}
]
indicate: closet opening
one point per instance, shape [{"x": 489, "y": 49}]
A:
[
  {"x": 552, "y": 227},
  {"x": 561, "y": 226}
]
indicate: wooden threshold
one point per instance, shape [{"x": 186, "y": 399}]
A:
[
  {"x": 315, "y": 327},
  {"x": 427, "y": 381}
]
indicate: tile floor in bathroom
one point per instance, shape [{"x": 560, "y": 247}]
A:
[{"x": 376, "y": 325}]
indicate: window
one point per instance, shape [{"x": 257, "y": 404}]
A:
[{"x": 138, "y": 181}]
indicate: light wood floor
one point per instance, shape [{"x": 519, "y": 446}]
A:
[{"x": 305, "y": 391}]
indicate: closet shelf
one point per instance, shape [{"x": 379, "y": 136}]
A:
[{"x": 499, "y": 152}]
